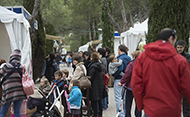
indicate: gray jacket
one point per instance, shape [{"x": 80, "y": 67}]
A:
[{"x": 113, "y": 67}]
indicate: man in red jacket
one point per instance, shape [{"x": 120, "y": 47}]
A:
[{"x": 159, "y": 75}]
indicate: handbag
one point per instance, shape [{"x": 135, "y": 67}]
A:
[
  {"x": 58, "y": 103},
  {"x": 27, "y": 83},
  {"x": 84, "y": 80},
  {"x": 106, "y": 79}
]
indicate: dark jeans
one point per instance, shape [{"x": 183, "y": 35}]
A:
[
  {"x": 186, "y": 107},
  {"x": 128, "y": 104},
  {"x": 97, "y": 107},
  {"x": 5, "y": 108}
]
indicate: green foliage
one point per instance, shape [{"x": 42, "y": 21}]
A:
[
  {"x": 57, "y": 13},
  {"x": 11, "y": 2},
  {"x": 107, "y": 29},
  {"x": 169, "y": 14},
  {"x": 141, "y": 47},
  {"x": 38, "y": 46},
  {"x": 83, "y": 40}
]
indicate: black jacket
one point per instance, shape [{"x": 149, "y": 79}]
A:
[
  {"x": 49, "y": 68},
  {"x": 97, "y": 90},
  {"x": 186, "y": 55},
  {"x": 86, "y": 63}
]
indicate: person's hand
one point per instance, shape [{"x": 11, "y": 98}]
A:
[
  {"x": 69, "y": 78},
  {"x": 71, "y": 85},
  {"x": 47, "y": 56},
  {"x": 119, "y": 84},
  {"x": 44, "y": 90}
]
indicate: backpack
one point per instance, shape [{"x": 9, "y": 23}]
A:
[{"x": 15, "y": 69}]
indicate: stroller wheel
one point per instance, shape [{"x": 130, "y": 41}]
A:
[
  {"x": 53, "y": 113},
  {"x": 36, "y": 114}
]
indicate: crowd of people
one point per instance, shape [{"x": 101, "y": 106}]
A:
[{"x": 156, "y": 78}]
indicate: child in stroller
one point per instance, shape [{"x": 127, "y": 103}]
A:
[
  {"x": 44, "y": 85},
  {"x": 45, "y": 107},
  {"x": 44, "y": 88},
  {"x": 53, "y": 108}
]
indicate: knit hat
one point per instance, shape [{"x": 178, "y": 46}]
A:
[{"x": 15, "y": 56}]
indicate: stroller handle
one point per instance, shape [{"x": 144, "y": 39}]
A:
[
  {"x": 123, "y": 91},
  {"x": 62, "y": 80}
]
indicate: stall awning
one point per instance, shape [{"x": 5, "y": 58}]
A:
[
  {"x": 96, "y": 41},
  {"x": 51, "y": 37}
]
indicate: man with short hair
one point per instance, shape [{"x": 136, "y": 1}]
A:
[
  {"x": 117, "y": 77},
  {"x": 180, "y": 46},
  {"x": 159, "y": 75}
]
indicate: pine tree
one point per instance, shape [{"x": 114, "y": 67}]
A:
[
  {"x": 38, "y": 46},
  {"x": 172, "y": 14},
  {"x": 107, "y": 29}
]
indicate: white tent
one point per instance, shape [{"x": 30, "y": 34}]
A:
[
  {"x": 14, "y": 34},
  {"x": 131, "y": 37},
  {"x": 84, "y": 47}
]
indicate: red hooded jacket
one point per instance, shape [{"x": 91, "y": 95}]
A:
[{"x": 159, "y": 76}]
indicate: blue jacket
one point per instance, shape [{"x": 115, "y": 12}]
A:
[
  {"x": 126, "y": 59},
  {"x": 60, "y": 89},
  {"x": 75, "y": 96}
]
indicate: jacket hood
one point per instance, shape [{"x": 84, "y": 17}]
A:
[
  {"x": 15, "y": 57},
  {"x": 95, "y": 64},
  {"x": 160, "y": 50}
]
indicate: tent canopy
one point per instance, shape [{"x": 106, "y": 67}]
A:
[
  {"x": 131, "y": 37},
  {"x": 140, "y": 29},
  {"x": 15, "y": 35},
  {"x": 85, "y": 47}
]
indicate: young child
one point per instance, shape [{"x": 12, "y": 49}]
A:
[
  {"x": 58, "y": 76},
  {"x": 114, "y": 64},
  {"x": 75, "y": 99},
  {"x": 23, "y": 109},
  {"x": 44, "y": 85},
  {"x": 66, "y": 75}
]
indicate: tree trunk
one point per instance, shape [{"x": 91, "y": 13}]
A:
[
  {"x": 111, "y": 17},
  {"x": 140, "y": 15},
  {"x": 90, "y": 37},
  {"x": 125, "y": 27},
  {"x": 94, "y": 30},
  {"x": 32, "y": 19},
  {"x": 131, "y": 19},
  {"x": 37, "y": 36}
]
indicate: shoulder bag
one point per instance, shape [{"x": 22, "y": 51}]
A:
[
  {"x": 27, "y": 83},
  {"x": 84, "y": 80}
]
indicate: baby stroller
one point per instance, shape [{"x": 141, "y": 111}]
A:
[{"x": 45, "y": 108}]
